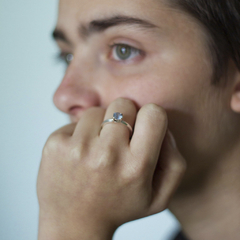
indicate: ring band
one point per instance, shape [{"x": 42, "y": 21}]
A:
[{"x": 117, "y": 118}]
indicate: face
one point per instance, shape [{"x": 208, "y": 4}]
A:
[{"x": 160, "y": 58}]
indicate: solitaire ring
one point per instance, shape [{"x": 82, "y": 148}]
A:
[{"x": 117, "y": 118}]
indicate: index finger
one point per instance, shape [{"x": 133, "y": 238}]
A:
[{"x": 66, "y": 130}]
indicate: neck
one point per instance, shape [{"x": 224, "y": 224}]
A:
[{"x": 212, "y": 211}]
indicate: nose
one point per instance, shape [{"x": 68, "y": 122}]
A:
[{"x": 75, "y": 94}]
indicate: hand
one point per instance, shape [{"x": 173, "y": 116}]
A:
[{"x": 91, "y": 181}]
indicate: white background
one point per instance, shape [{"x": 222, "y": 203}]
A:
[{"x": 29, "y": 76}]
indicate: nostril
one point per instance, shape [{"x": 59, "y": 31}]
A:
[{"x": 75, "y": 110}]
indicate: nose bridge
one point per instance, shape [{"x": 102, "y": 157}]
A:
[
  {"x": 77, "y": 72},
  {"x": 77, "y": 87},
  {"x": 81, "y": 68}
]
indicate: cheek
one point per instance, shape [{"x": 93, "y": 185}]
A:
[
  {"x": 169, "y": 89},
  {"x": 173, "y": 80},
  {"x": 191, "y": 109},
  {"x": 183, "y": 91}
]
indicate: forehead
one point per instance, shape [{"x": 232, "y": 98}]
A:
[
  {"x": 106, "y": 5},
  {"x": 86, "y": 11},
  {"x": 170, "y": 22}
]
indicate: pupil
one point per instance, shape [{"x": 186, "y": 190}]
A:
[{"x": 123, "y": 52}]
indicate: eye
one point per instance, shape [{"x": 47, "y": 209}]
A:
[
  {"x": 123, "y": 52},
  {"x": 65, "y": 57}
]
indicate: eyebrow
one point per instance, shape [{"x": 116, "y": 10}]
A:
[{"x": 100, "y": 25}]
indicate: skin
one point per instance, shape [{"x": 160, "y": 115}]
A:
[{"x": 169, "y": 82}]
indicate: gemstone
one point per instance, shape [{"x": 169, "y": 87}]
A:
[{"x": 117, "y": 116}]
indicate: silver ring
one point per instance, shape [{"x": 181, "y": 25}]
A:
[{"x": 117, "y": 118}]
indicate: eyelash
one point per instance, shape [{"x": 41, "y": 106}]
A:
[{"x": 67, "y": 57}]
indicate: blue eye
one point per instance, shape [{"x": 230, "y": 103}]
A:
[{"x": 122, "y": 52}]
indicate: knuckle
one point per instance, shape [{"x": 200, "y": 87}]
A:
[
  {"x": 81, "y": 151},
  {"x": 76, "y": 152},
  {"x": 104, "y": 160},
  {"x": 54, "y": 143},
  {"x": 109, "y": 147},
  {"x": 102, "y": 157},
  {"x": 156, "y": 111},
  {"x": 124, "y": 101},
  {"x": 133, "y": 174},
  {"x": 141, "y": 167},
  {"x": 178, "y": 165},
  {"x": 128, "y": 178}
]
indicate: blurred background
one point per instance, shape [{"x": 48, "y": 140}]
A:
[{"x": 29, "y": 75}]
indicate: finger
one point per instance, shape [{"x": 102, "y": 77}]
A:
[
  {"x": 168, "y": 174},
  {"x": 149, "y": 132},
  {"x": 59, "y": 137},
  {"x": 118, "y": 132},
  {"x": 66, "y": 130},
  {"x": 89, "y": 125}
]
